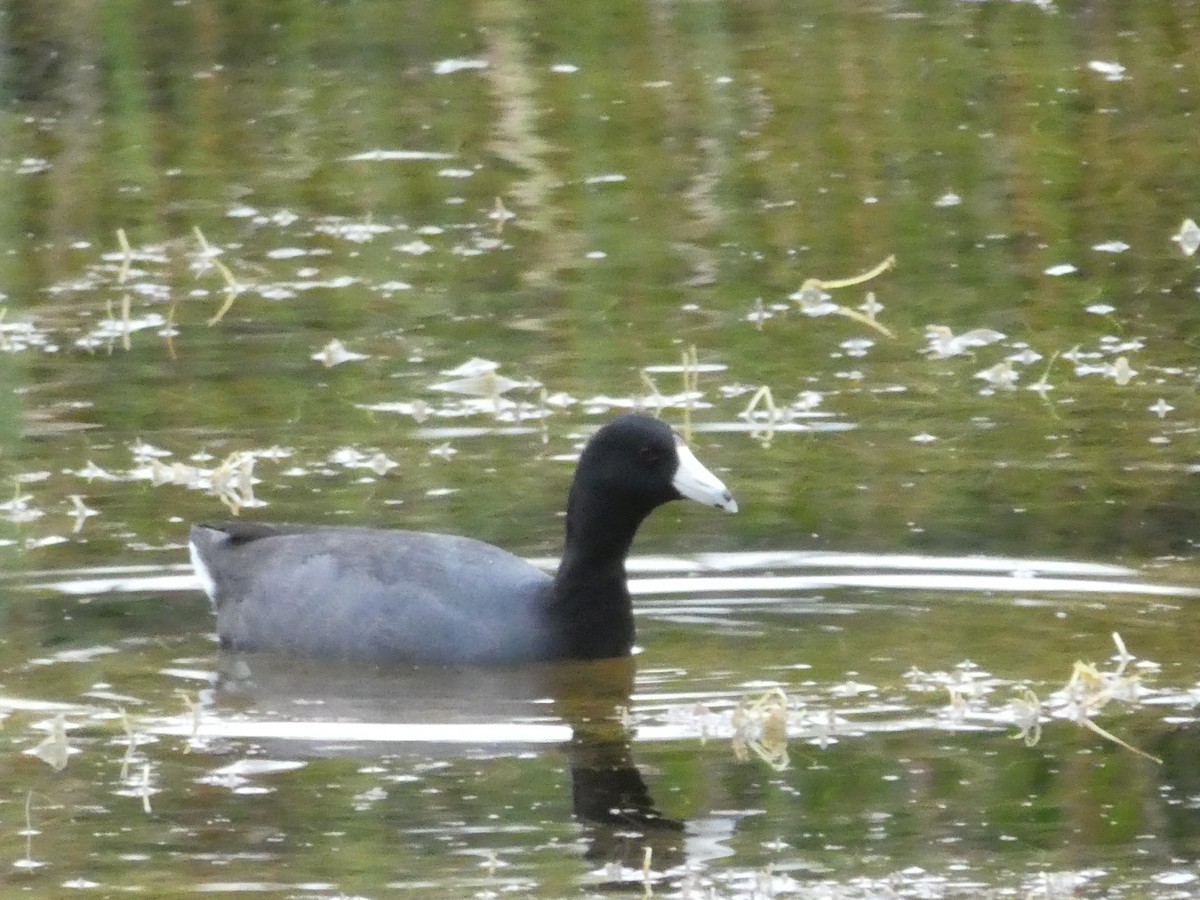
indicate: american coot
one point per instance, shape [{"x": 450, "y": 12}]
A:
[{"x": 382, "y": 595}]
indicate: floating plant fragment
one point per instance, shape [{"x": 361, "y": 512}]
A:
[
  {"x": 814, "y": 299},
  {"x": 208, "y": 257},
  {"x": 1120, "y": 371},
  {"x": 760, "y": 728},
  {"x": 1160, "y": 407},
  {"x": 358, "y": 232},
  {"x": 1026, "y": 356},
  {"x": 478, "y": 378},
  {"x": 500, "y": 214},
  {"x": 335, "y": 353},
  {"x": 1188, "y": 237},
  {"x": 232, "y": 482},
  {"x": 80, "y": 511},
  {"x": 92, "y": 472},
  {"x": 1026, "y": 713},
  {"x": 1002, "y": 376},
  {"x": 19, "y": 510},
  {"x": 18, "y": 336},
  {"x": 143, "y": 451},
  {"x": 472, "y": 367},
  {"x": 1112, "y": 71},
  {"x": 110, "y": 329},
  {"x": 378, "y": 462},
  {"x": 54, "y": 751},
  {"x": 1090, "y": 689},
  {"x": 396, "y": 156},
  {"x": 450, "y": 66},
  {"x": 1061, "y": 269},
  {"x": 944, "y": 343}
]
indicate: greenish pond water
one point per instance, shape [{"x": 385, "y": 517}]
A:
[{"x": 390, "y": 263}]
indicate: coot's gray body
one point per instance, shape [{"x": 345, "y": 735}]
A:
[{"x": 389, "y": 595}]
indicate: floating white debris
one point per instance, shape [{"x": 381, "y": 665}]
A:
[
  {"x": 1060, "y": 269},
  {"x": 351, "y": 458},
  {"x": 1027, "y": 356},
  {"x": 807, "y": 401},
  {"x": 1160, "y": 407},
  {"x": 31, "y": 165},
  {"x": 609, "y": 178},
  {"x": 948, "y": 199},
  {"x": 18, "y": 509},
  {"x": 381, "y": 464},
  {"x": 1112, "y": 71},
  {"x": 564, "y": 68},
  {"x": 345, "y": 456},
  {"x": 92, "y": 472},
  {"x": 108, "y": 330},
  {"x": 456, "y": 173},
  {"x": 357, "y": 232},
  {"x": 857, "y": 346},
  {"x": 1174, "y": 877},
  {"x": 1111, "y": 247},
  {"x": 335, "y": 353},
  {"x": 1120, "y": 371},
  {"x": 443, "y": 451},
  {"x": 1101, "y": 309},
  {"x": 871, "y": 306},
  {"x": 80, "y": 511},
  {"x": 54, "y": 750},
  {"x": 1188, "y": 237},
  {"x": 759, "y": 313},
  {"x": 923, "y": 438},
  {"x": 500, "y": 213},
  {"x": 396, "y": 156},
  {"x": 814, "y": 301},
  {"x": 1117, "y": 345},
  {"x": 1002, "y": 376},
  {"x": 418, "y": 409},
  {"x": 143, "y": 451},
  {"x": 415, "y": 248},
  {"x": 486, "y": 384},
  {"x": 450, "y": 66},
  {"x": 472, "y": 367},
  {"x": 943, "y": 342},
  {"x": 18, "y": 336},
  {"x": 678, "y": 368}
]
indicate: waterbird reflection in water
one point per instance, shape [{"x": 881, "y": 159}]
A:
[{"x": 455, "y": 712}]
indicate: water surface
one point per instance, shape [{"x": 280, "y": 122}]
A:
[{"x": 391, "y": 263}]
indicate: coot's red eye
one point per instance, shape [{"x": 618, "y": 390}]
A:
[{"x": 648, "y": 454}]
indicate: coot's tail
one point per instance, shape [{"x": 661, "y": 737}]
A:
[{"x": 205, "y": 542}]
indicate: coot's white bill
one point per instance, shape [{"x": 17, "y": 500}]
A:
[{"x": 695, "y": 482}]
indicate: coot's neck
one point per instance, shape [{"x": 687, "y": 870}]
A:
[{"x": 591, "y": 599}]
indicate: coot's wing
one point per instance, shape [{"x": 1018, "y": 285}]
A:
[{"x": 371, "y": 594}]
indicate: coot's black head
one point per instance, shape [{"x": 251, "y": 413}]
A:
[{"x": 639, "y": 463}]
